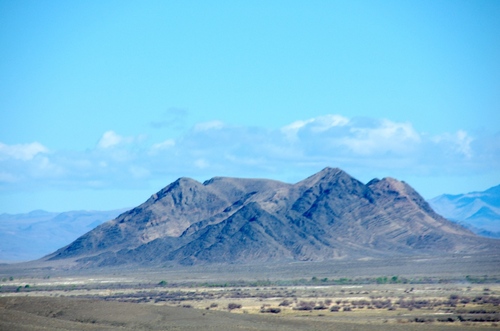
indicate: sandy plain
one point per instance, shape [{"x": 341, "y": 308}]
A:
[{"x": 456, "y": 292}]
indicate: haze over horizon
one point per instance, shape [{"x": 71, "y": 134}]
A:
[{"x": 104, "y": 103}]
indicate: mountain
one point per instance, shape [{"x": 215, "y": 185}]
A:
[
  {"x": 329, "y": 215},
  {"x": 478, "y": 211},
  {"x": 32, "y": 235}
]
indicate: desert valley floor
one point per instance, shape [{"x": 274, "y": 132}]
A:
[{"x": 450, "y": 292}]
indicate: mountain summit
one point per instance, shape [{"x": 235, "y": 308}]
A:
[{"x": 329, "y": 215}]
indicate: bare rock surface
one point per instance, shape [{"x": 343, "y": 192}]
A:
[{"x": 329, "y": 215}]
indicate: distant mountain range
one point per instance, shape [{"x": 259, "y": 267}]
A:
[
  {"x": 32, "y": 235},
  {"x": 329, "y": 215},
  {"x": 478, "y": 211}
]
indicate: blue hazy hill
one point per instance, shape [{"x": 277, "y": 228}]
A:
[
  {"x": 479, "y": 211},
  {"x": 32, "y": 235}
]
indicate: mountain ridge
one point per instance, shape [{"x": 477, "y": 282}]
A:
[
  {"x": 478, "y": 210},
  {"x": 29, "y": 236},
  {"x": 328, "y": 215}
]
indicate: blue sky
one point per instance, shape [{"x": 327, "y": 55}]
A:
[{"x": 103, "y": 103}]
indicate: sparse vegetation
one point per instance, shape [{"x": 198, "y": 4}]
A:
[
  {"x": 272, "y": 310},
  {"x": 429, "y": 301},
  {"x": 382, "y": 303},
  {"x": 285, "y": 303},
  {"x": 232, "y": 306}
]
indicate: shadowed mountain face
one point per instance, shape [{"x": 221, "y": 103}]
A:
[{"x": 329, "y": 215}]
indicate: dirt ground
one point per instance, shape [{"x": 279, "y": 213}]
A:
[
  {"x": 62, "y": 313},
  {"x": 420, "y": 293}
]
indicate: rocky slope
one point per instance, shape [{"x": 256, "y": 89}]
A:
[{"x": 329, "y": 215}]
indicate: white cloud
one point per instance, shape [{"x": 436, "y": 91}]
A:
[
  {"x": 110, "y": 139},
  {"x": 362, "y": 137},
  {"x": 44, "y": 167},
  {"x": 291, "y": 129},
  {"x": 459, "y": 142},
  {"x": 386, "y": 136},
  {"x": 463, "y": 142},
  {"x": 317, "y": 124},
  {"x": 211, "y": 125},
  {"x": 201, "y": 163},
  {"x": 361, "y": 145},
  {"x": 24, "y": 152},
  {"x": 324, "y": 123},
  {"x": 169, "y": 143},
  {"x": 8, "y": 178}
]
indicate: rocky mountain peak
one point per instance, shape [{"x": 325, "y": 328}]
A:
[
  {"x": 388, "y": 185},
  {"x": 179, "y": 184},
  {"x": 328, "y": 215},
  {"x": 399, "y": 191},
  {"x": 327, "y": 175}
]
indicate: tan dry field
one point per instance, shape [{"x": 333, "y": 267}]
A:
[
  {"x": 62, "y": 313},
  {"x": 429, "y": 294},
  {"x": 360, "y": 307}
]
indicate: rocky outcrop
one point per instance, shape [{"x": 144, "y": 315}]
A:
[{"x": 329, "y": 215}]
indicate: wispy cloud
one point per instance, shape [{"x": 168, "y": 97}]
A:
[
  {"x": 211, "y": 125},
  {"x": 23, "y": 152},
  {"x": 216, "y": 148},
  {"x": 317, "y": 124},
  {"x": 111, "y": 139},
  {"x": 459, "y": 142},
  {"x": 169, "y": 143},
  {"x": 383, "y": 136},
  {"x": 172, "y": 118}
]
